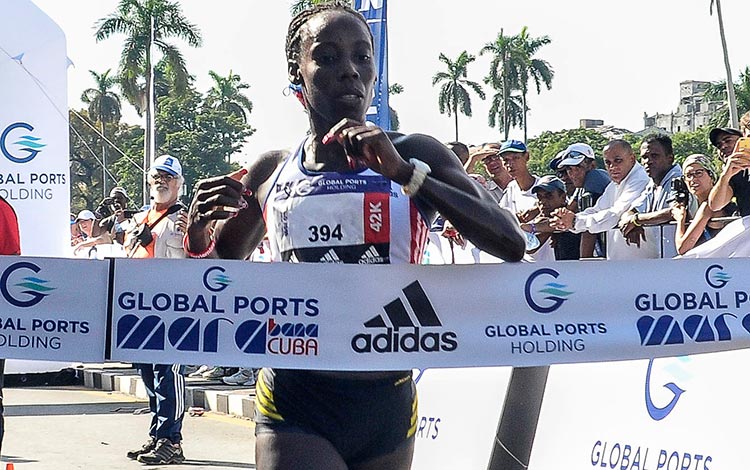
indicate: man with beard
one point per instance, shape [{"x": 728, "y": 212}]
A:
[{"x": 157, "y": 233}]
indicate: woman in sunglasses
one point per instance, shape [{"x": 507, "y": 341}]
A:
[{"x": 694, "y": 225}]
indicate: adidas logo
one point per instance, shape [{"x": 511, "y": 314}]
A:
[
  {"x": 330, "y": 257},
  {"x": 371, "y": 256},
  {"x": 403, "y": 334}
]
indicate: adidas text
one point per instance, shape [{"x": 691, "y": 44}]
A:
[{"x": 414, "y": 341}]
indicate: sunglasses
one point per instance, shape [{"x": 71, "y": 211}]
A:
[
  {"x": 575, "y": 153},
  {"x": 155, "y": 177},
  {"x": 695, "y": 174},
  {"x": 491, "y": 158}
]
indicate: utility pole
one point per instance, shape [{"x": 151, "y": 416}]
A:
[{"x": 733, "y": 118}]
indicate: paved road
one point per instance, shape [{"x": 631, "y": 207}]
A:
[{"x": 61, "y": 428}]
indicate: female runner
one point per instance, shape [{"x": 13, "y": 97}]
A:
[{"x": 323, "y": 419}]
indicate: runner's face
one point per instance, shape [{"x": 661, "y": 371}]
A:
[{"x": 336, "y": 66}]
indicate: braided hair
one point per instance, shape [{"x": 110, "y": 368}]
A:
[{"x": 292, "y": 37}]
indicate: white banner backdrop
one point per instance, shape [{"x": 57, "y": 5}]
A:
[
  {"x": 52, "y": 309},
  {"x": 679, "y": 413},
  {"x": 34, "y": 160},
  {"x": 459, "y": 410},
  {"x": 350, "y": 317}
]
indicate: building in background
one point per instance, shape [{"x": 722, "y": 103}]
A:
[{"x": 692, "y": 112}]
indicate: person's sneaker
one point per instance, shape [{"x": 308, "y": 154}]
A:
[
  {"x": 146, "y": 448},
  {"x": 165, "y": 453},
  {"x": 249, "y": 382},
  {"x": 240, "y": 378},
  {"x": 199, "y": 373},
  {"x": 213, "y": 373}
]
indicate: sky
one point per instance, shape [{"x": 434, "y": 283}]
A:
[{"x": 612, "y": 60}]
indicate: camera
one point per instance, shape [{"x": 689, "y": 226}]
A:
[
  {"x": 140, "y": 235},
  {"x": 680, "y": 193}
]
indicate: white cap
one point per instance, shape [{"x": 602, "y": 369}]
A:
[
  {"x": 169, "y": 164},
  {"x": 576, "y": 153},
  {"x": 85, "y": 215}
]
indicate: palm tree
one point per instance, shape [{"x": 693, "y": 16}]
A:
[
  {"x": 506, "y": 111},
  {"x": 393, "y": 90},
  {"x": 299, "y": 5},
  {"x": 104, "y": 106},
  {"x": 226, "y": 95},
  {"x": 148, "y": 24},
  {"x": 538, "y": 70},
  {"x": 717, "y": 91},
  {"x": 453, "y": 93},
  {"x": 505, "y": 72},
  {"x": 734, "y": 121}
]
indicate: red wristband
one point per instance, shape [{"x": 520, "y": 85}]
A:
[{"x": 204, "y": 253}]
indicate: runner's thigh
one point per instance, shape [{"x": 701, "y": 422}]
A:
[{"x": 296, "y": 451}]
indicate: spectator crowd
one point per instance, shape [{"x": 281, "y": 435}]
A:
[{"x": 641, "y": 204}]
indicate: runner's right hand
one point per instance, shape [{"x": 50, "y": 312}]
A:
[{"x": 215, "y": 199}]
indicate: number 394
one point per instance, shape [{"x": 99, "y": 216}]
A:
[{"x": 323, "y": 233}]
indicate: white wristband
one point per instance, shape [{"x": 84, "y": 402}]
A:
[{"x": 421, "y": 170}]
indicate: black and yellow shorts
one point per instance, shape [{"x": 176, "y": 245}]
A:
[{"x": 362, "y": 419}]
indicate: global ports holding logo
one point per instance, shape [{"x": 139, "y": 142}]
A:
[
  {"x": 553, "y": 293},
  {"x": 21, "y": 289},
  {"x": 215, "y": 279},
  {"x": 196, "y": 327},
  {"x": 404, "y": 334},
  {"x": 544, "y": 294},
  {"x": 17, "y": 146},
  {"x": 716, "y": 277}
]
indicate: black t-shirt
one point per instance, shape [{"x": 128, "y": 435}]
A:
[{"x": 740, "y": 184}]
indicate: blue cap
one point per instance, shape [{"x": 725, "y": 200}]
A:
[
  {"x": 513, "y": 146},
  {"x": 555, "y": 162},
  {"x": 548, "y": 183}
]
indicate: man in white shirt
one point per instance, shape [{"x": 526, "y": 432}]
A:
[
  {"x": 518, "y": 197},
  {"x": 629, "y": 179}
]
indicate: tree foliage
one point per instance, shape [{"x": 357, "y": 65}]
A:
[
  {"x": 454, "y": 96},
  {"x": 226, "y": 95},
  {"x": 86, "y": 163},
  {"x": 104, "y": 103},
  {"x": 688, "y": 143},
  {"x": 533, "y": 69},
  {"x": 203, "y": 137},
  {"x": 542, "y": 149},
  {"x": 134, "y": 19},
  {"x": 717, "y": 91},
  {"x": 504, "y": 76}
]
